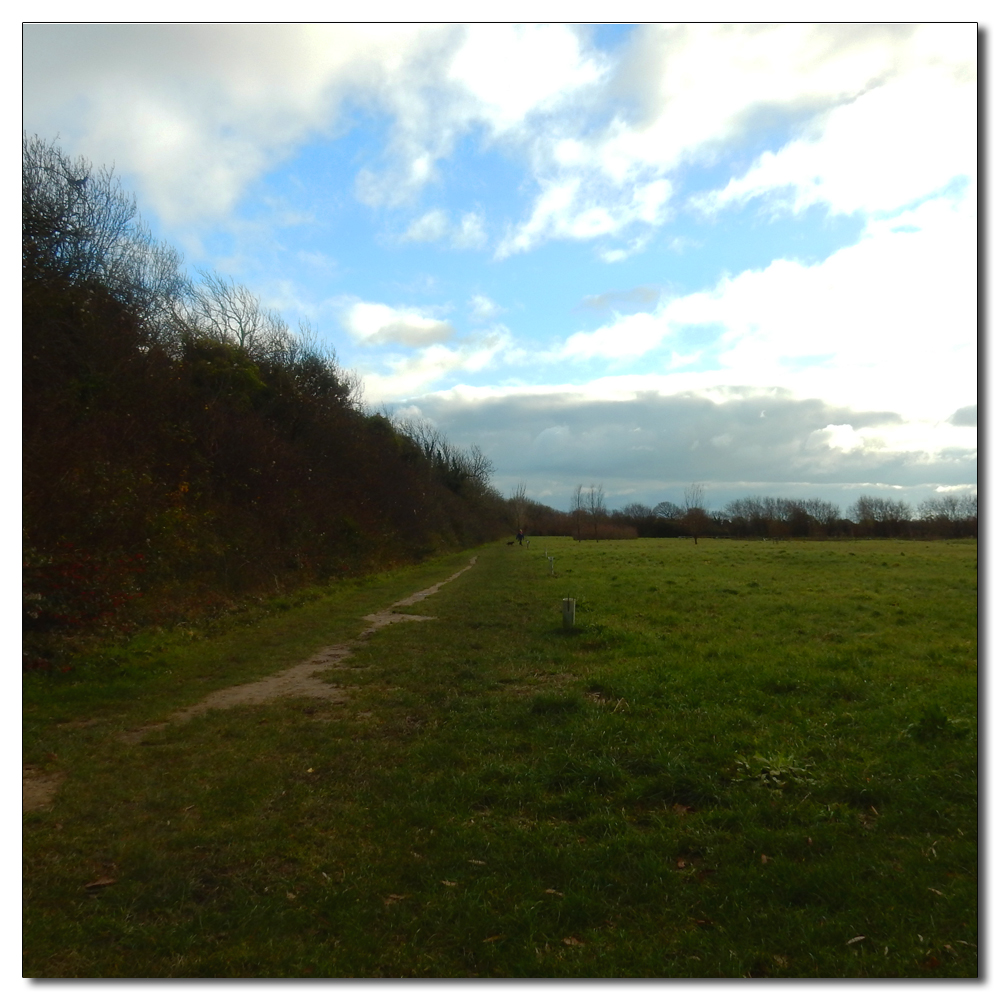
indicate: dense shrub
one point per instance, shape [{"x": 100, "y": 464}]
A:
[{"x": 183, "y": 428}]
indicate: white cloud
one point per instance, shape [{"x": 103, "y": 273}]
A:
[
  {"x": 429, "y": 228},
  {"x": 417, "y": 373},
  {"x": 482, "y": 308},
  {"x": 579, "y": 208},
  {"x": 512, "y": 71},
  {"x": 875, "y": 93},
  {"x": 374, "y": 323},
  {"x": 888, "y": 322},
  {"x": 471, "y": 232},
  {"x": 195, "y": 113},
  {"x": 435, "y": 226},
  {"x": 890, "y": 147},
  {"x": 624, "y": 337}
]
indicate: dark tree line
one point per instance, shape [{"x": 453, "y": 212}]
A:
[
  {"x": 948, "y": 516},
  {"x": 951, "y": 515},
  {"x": 182, "y": 444}
]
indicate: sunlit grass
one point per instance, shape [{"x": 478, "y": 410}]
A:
[{"x": 745, "y": 760}]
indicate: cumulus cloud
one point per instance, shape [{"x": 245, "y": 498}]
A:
[
  {"x": 891, "y": 319},
  {"x": 682, "y": 93},
  {"x": 436, "y": 226},
  {"x": 429, "y": 228},
  {"x": 625, "y": 337},
  {"x": 967, "y": 416},
  {"x": 495, "y": 78},
  {"x": 423, "y": 370},
  {"x": 374, "y": 323},
  {"x": 577, "y": 208},
  {"x": 195, "y": 113},
  {"x": 470, "y": 233},
  {"x": 482, "y": 308},
  {"x": 513, "y": 71},
  {"x": 888, "y": 148}
]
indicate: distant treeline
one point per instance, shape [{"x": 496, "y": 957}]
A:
[
  {"x": 182, "y": 445},
  {"x": 951, "y": 515}
]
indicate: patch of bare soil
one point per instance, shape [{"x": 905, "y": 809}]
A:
[{"x": 38, "y": 787}]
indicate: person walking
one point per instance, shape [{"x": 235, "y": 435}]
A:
[{"x": 520, "y": 536}]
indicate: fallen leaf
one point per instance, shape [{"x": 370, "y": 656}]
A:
[
  {"x": 681, "y": 863},
  {"x": 938, "y": 891},
  {"x": 679, "y": 809},
  {"x": 573, "y": 942},
  {"x": 553, "y": 892},
  {"x": 309, "y": 770},
  {"x": 855, "y": 940},
  {"x": 472, "y": 861},
  {"x": 444, "y": 881},
  {"x": 496, "y": 937},
  {"x": 290, "y": 895},
  {"x": 393, "y": 898},
  {"x": 764, "y": 859},
  {"x": 100, "y": 883}
]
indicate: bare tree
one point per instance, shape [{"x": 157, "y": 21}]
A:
[
  {"x": 480, "y": 467},
  {"x": 577, "y": 511},
  {"x": 695, "y": 520},
  {"x": 951, "y": 515},
  {"x": 694, "y": 497},
  {"x": 635, "y": 513},
  {"x": 519, "y": 504},
  {"x": 880, "y": 516},
  {"x": 78, "y": 225},
  {"x": 232, "y": 314},
  {"x": 594, "y": 505}
]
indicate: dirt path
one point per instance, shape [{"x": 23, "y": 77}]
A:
[{"x": 38, "y": 788}]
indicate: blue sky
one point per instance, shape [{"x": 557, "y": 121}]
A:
[{"x": 643, "y": 256}]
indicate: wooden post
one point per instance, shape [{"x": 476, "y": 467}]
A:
[
  {"x": 569, "y": 612},
  {"x": 552, "y": 565}
]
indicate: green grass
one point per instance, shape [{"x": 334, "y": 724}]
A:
[{"x": 745, "y": 760}]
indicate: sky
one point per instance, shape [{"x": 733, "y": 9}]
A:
[{"x": 641, "y": 256}]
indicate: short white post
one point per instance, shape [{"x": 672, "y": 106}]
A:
[
  {"x": 569, "y": 612},
  {"x": 552, "y": 565}
]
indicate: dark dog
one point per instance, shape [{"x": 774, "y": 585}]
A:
[{"x": 510, "y": 543}]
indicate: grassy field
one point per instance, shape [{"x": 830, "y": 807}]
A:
[{"x": 747, "y": 759}]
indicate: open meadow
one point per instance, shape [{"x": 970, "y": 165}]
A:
[{"x": 746, "y": 759}]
